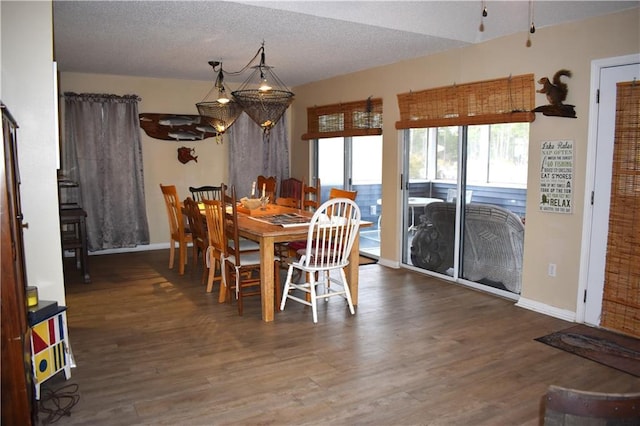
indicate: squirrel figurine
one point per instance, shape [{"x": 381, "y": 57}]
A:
[{"x": 556, "y": 92}]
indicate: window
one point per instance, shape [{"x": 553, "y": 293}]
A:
[{"x": 497, "y": 154}]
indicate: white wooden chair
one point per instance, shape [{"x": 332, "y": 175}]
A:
[{"x": 333, "y": 229}]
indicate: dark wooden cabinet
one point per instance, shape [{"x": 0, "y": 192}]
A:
[{"x": 17, "y": 386}]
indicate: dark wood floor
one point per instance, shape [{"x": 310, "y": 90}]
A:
[{"x": 153, "y": 348}]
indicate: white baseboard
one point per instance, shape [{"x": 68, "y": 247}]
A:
[
  {"x": 389, "y": 263},
  {"x": 542, "y": 308},
  {"x": 146, "y": 247}
]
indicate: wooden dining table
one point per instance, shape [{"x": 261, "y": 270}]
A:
[{"x": 267, "y": 235}]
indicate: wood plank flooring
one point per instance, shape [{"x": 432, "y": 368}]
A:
[{"x": 153, "y": 348}]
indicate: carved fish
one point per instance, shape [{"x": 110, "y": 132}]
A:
[
  {"x": 181, "y": 135},
  {"x": 179, "y": 121},
  {"x": 207, "y": 129},
  {"x": 185, "y": 155}
]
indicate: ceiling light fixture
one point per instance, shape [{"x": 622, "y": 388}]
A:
[
  {"x": 262, "y": 96},
  {"x": 219, "y": 111}
]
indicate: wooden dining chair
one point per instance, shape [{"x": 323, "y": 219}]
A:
[
  {"x": 215, "y": 252},
  {"x": 178, "y": 232},
  {"x": 207, "y": 192},
  {"x": 332, "y": 232},
  {"x": 242, "y": 269},
  {"x": 342, "y": 193},
  {"x": 293, "y": 203},
  {"x": 270, "y": 186},
  {"x": 311, "y": 196},
  {"x": 199, "y": 237},
  {"x": 310, "y": 201},
  {"x": 291, "y": 188}
]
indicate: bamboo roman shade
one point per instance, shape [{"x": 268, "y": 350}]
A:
[
  {"x": 503, "y": 100},
  {"x": 621, "y": 299},
  {"x": 358, "y": 118}
]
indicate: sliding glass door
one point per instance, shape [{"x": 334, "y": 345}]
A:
[
  {"x": 464, "y": 203},
  {"x": 354, "y": 163}
]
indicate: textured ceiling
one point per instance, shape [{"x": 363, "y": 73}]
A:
[{"x": 305, "y": 41}]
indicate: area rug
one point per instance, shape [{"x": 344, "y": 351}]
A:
[{"x": 605, "y": 347}]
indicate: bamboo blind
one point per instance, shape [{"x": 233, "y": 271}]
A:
[
  {"x": 358, "y": 118},
  {"x": 503, "y": 100},
  {"x": 621, "y": 300}
]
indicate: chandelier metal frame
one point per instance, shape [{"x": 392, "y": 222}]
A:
[{"x": 262, "y": 96}]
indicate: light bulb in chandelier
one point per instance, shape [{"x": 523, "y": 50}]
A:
[
  {"x": 532, "y": 29},
  {"x": 484, "y": 12},
  {"x": 264, "y": 85},
  {"x": 222, "y": 97}
]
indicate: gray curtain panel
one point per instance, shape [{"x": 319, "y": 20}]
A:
[
  {"x": 102, "y": 152},
  {"x": 251, "y": 153}
]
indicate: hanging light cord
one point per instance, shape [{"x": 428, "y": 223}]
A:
[{"x": 262, "y": 62}]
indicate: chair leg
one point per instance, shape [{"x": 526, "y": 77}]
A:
[
  {"x": 276, "y": 283},
  {"x": 183, "y": 256},
  {"x": 224, "y": 295},
  {"x": 240, "y": 297},
  {"x": 287, "y": 286},
  {"x": 314, "y": 299},
  {"x": 211, "y": 274},
  {"x": 172, "y": 253},
  {"x": 347, "y": 292},
  {"x": 195, "y": 257}
]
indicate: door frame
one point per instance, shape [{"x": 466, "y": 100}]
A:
[{"x": 597, "y": 66}]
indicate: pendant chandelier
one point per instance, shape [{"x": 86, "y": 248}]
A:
[
  {"x": 262, "y": 96},
  {"x": 217, "y": 108}
]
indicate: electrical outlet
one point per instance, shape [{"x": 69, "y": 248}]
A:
[
  {"x": 372, "y": 210},
  {"x": 552, "y": 270}
]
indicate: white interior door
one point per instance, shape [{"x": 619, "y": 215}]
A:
[{"x": 609, "y": 76}]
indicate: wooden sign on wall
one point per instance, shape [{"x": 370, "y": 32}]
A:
[{"x": 556, "y": 177}]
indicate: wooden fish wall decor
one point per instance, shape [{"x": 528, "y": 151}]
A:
[
  {"x": 172, "y": 127},
  {"x": 186, "y": 154},
  {"x": 556, "y": 92}
]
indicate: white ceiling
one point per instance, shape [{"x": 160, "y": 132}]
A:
[{"x": 305, "y": 41}]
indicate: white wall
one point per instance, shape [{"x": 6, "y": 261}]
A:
[{"x": 27, "y": 89}]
